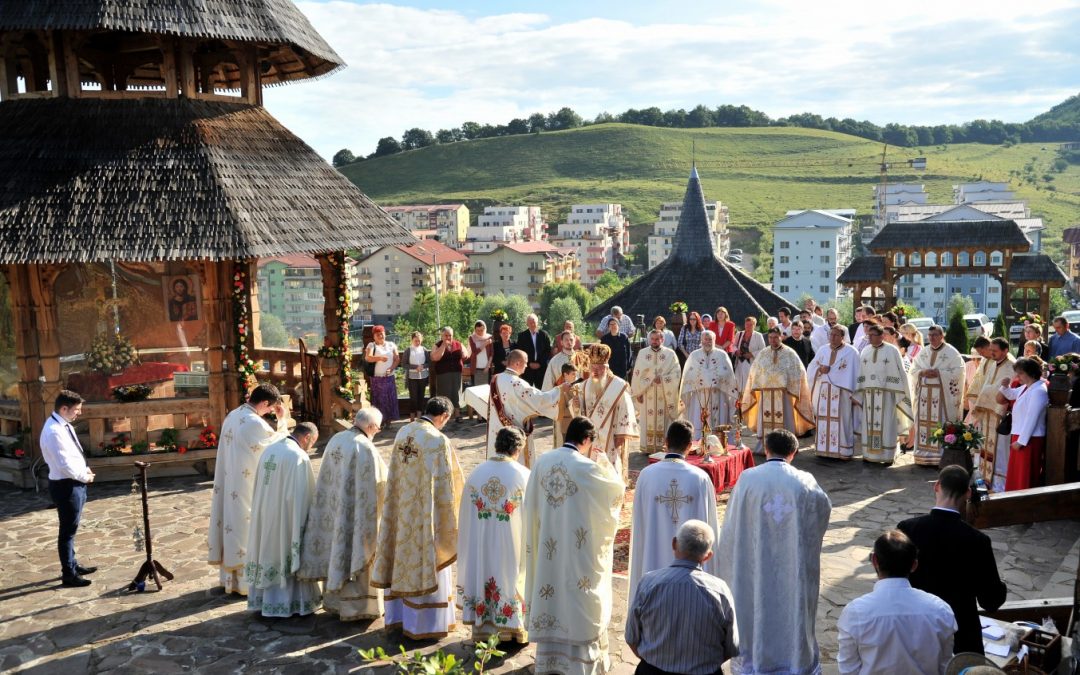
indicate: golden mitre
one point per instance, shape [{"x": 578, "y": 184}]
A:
[
  {"x": 580, "y": 360},
  {"x": 598, "y": 353}
]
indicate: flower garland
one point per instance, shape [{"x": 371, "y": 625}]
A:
[
  {"x": 337, "y": 261},
  {"x": 245, "y": 367}
]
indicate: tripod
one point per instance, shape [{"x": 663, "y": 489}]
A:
[{"x": 150, "y": 568}]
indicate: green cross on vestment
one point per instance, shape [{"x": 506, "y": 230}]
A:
[{"x": 269, "y": 465}]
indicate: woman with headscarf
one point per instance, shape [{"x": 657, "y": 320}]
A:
[{"x": 384, "y": 354}]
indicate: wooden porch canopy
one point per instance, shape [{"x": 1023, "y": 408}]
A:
[
  {"x": 997, "y": 248},
  {"x": 217, "y": 184}
]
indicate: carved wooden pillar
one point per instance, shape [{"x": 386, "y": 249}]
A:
[
  {"x": 46, "y": 322},
  {"x": 332, "y": 403},
  {"x": 217, "y": 307},
  {"x": 32, "y": 407}
]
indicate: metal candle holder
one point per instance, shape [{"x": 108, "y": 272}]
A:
[{"x": 150, "y": 568}]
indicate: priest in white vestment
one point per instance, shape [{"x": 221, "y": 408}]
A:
[
  {"x": 654, "y": 385},
  {"x": 491, "y": 571},
  {"x": 284, "y": 486},
  {"x": 668, "y": 494},
  {"x": 513, "y": 402},
  {"x": 770, "y": 557},
  {"x": 572, "y": 506},
  {"x": 937, "y": 378},
  {"x": 605, "y": 399},
  {"x": 777, "y": 395},
  {"x": 343, "y": 523},
  {"x": 565, "y": 341},
  {"x": 987, "y": 412},
  {"x": 748, "y": 343},
  {"x": 418, "y": 531},
  {"x": 833, "y": 374},
  {"x": 708, "y": 389},
  {"x": 884, "y": 390},
  {"x": 244, "y": 435}
]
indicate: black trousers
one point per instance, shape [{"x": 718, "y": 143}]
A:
[
  {"x": 644, "y": 668},
  {"x": 70, "y": 497},
  {"x": 416, "y": 395}
]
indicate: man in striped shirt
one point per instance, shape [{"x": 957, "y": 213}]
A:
[{"x": 683, "y": 619}]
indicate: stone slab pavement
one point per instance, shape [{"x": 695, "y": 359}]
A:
[{"x": 191, "y": 626}]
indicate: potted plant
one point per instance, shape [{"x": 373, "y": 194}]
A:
[
  {"x": 958, "y": 443},
  {"x": 678, "y": 316},
  {"x": 1062, "y": 370}
]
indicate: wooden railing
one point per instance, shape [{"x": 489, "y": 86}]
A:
[
  {"x": 182, "y": 414},
  {"x": 10, "y": 418}
]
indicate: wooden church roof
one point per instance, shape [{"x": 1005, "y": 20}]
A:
[
  {"x": 693, "y": 274},
  {"x": 155, "y": 179},
  {"x": 291, "y": 47}
]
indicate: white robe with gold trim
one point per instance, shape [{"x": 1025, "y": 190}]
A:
[
  {"x": 885, "y": 392},
  {"x": 655, "y": 388},
  {"x": 708, "y": 385},
  {"x": 521, "y": 402},
  {"x": 572, "y": 509},
  {"x": 833, "y": 395},
  {"x": 937, "y": 399},
  {"x": 244, "y": 436},
  {"x": 607, "y": 404},
  {"x": 777, "y": 395},
  {"x": 994, "y": 455}
]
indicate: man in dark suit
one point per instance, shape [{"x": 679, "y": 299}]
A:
[
  {"x": 537, "y": 345},
  {"x": 956, "y": 562}
]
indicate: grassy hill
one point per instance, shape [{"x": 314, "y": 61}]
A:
[
  {"x": 1066, "y": 111},
  {"x": 759, "y": 172}
]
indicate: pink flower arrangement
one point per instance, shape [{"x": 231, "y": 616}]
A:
[{"x": 951, "y": 438}]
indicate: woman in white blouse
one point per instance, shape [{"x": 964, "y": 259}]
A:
[
  {"x": 384, "y": 355},
  {"x": 1028, "y": 449},
  {"x": 417, "y": 361},
  {"x": 660, "y": 324}
]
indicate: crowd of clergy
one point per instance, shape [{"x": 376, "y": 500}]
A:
[{"x": 532, "y": 535}]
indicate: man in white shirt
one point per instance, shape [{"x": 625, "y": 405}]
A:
[
  {"x": 895, "y": 628},
  {"x": 68, "y": 476}
]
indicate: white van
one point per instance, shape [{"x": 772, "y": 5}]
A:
[{"x": 979, "y": 325}]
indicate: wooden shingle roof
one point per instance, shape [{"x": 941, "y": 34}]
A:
[
  {"x": 1036, "y": 267},
  {"x": 292, "y": 45},
  {"x": 864, "y": 268},
  {"x": 694, "y": 275},
  {"x": 155, "y": 179},
  {"x": 945, "y": 234}
]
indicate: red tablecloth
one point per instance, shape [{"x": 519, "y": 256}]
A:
[
  {"x": 98, "y": 386},
  {"x": 723, "y": 471}
]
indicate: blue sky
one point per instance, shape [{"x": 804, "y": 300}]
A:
[{"x": 437, "y": 64}]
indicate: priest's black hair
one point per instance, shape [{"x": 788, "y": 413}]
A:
[{"x": 579, "y": 429}]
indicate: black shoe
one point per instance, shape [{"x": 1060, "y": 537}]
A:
[
  {"x": 80, "y": 570},
  {"x": 76, "y": 581}
]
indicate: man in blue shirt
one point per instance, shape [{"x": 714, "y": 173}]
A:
[{"x": 1064, "y": 341}]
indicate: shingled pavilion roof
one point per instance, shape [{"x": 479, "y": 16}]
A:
[
  {"x": 154, "y": 179},
  {"x": 946, "y": 234},
  {"x": 693, "y": 274},
  {"x": 864, "y": 268},
  {"x": 1035, "y": 267},
  {"x": 291, "y": 46}
]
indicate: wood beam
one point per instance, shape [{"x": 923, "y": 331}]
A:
[{"x": 1018, "y": 507}]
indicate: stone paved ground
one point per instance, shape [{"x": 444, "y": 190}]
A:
[{"x": 45, "y": 628}]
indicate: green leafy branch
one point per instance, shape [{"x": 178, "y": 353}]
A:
[{"x": 439, "y": 663}]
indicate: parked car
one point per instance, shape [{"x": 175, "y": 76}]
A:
[
  {"x": 1073, "y": 317},
  {"x": 979, "y": 325},
  {"x": 923, "y": 323},
  {"x": 1016, "y": 333},
  {"x": 735, "y": 251},
  {"x": 733, "y": 258}
]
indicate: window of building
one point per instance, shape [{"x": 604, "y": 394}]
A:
[
  {"x": 784, "y": 274},
  {"x": 973, "y": 290},
  {"x": 931, "y": 259},
  {"x": 939, "y": 289},
  {"x": 783, "y": 259},
  {"x": 991, "y": 305},
  {"x": 826, "y": 259},
  {"x": 824, "y": 274},
  {"x": 979, "y": 259},
  {"x": 899, "y": 260},
  {"x": 916, "y": 259},
  {"x": 826, "y": 244},
  {"x": 823, "y": 289},
  {"x": 784, "y": 244},
  {"x": 501, "y": 278},
  {"x": 783, "y": 289},
  {"x": 946, "y": 259},
  {"x": 963, "y": 259},
  {"x": 386, "y": 257}
]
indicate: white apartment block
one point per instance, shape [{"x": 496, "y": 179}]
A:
[
  {"x": 391, "y": 276},
  {"x": 667, "y": 222},
  {"x": 501, "y": 224},
  {"x": 982, "y": 191},
  {"x": 599, "y": 234},
  {"x": 894, "y": 195},
  {"x": 450, "y": 221},
  {"x": 810, "y": 250},
  {"x": 521, "y": 268}
]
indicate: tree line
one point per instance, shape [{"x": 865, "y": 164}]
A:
[{"x": 993, "y": 132}]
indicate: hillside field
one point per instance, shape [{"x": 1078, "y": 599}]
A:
[{"x": 759, "y": 172}]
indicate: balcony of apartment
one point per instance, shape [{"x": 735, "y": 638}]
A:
[
  {"x": 364, "y": 275},
  {"x": 474, "y": 279},
  {"x": 537, "y": 282}
]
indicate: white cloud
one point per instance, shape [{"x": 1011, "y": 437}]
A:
[{"x": 923, "y": 62}]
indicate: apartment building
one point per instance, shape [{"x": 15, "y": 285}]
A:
[
  {"x": 667, "y": 222},
  {"x": 521, "y": 268},
  {"x": 290, "y": 288},
  {"x": 501, "y": 224},
  {"x": 391, "y": 276},
  {"x": 810, "y": 250},
  {"x": 450, "y": 221},
  {"x": 599, "y": 234},
  {"x": 888, "y": 199}
]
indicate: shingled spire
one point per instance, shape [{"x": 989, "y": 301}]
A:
[
  {"x": 693, "y": 239},
  {"x": 693, "y": 274}
]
